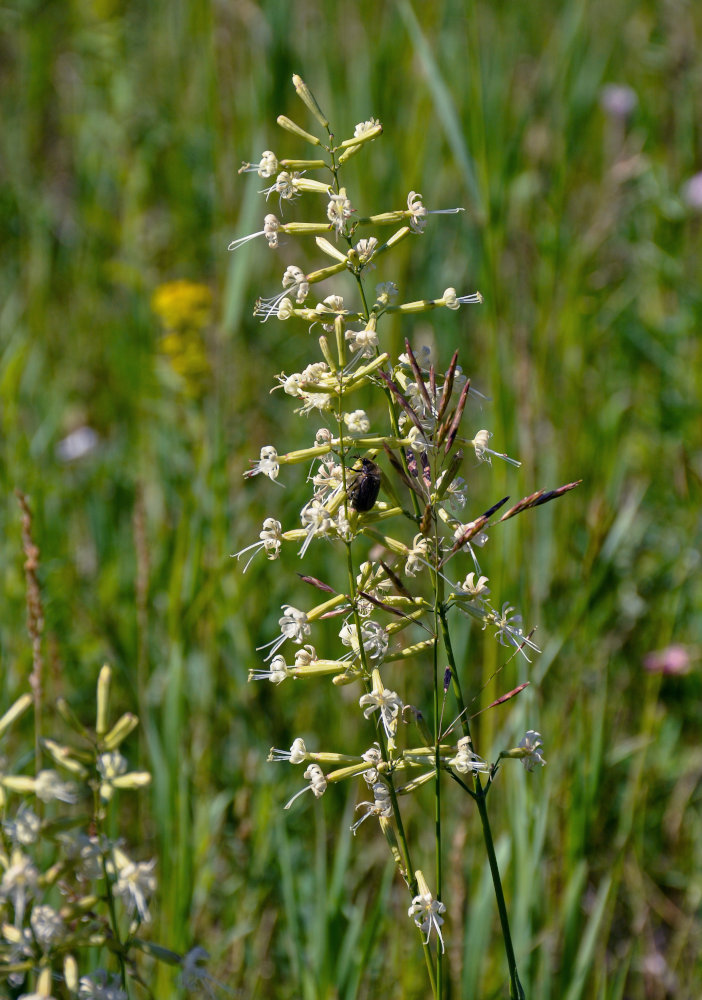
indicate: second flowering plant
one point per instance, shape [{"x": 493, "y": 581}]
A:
[{"x": 385, "y": 490}]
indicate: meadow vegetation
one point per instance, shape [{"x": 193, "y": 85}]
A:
[{"x": 123, "y": 130}]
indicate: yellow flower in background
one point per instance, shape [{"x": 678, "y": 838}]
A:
[
  {"x": 184, "y": 309},
  {"x": 183, "y": 305}
]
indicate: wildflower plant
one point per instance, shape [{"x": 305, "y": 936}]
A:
[
  {"x": 74, "y": 898},
  {"x": 391, "y": 500}
]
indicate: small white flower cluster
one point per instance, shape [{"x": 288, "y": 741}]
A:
[
  {"x": 353, "y": 497},
  {"x": 59, "y": 868}
]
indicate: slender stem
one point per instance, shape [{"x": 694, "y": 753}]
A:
[
  {"x": 455, "y": 681},
  {"x": 430, "y": 970},
  {"x": 516, "y": 991},
  {"x": 119, "y": 950},
  {"x": 437, "y": 585}
]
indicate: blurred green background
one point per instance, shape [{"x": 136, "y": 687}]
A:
[{"x": 123, "y": 127}]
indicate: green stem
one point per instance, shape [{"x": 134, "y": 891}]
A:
[
  {"x": 438, "y": 691},
  {"x": 516, "y": 991}
]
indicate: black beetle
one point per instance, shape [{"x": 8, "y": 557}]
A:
[{"x": 365, "y": 486}]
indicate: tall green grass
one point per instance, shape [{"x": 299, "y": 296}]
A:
[{"x": 123, "y": 128}]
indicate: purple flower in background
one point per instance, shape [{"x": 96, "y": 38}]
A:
[{"x": 618, "y": 100}]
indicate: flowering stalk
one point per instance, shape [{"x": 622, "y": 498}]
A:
[{"x": 396, "y": 606}]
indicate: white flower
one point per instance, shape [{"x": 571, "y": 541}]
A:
[
  {"x": 295, "y": 280},
  {"x": 357, "y": 422},
  {"x": 388, "y": 703},
  {"x": 330, "y": 307},
  {"x": 276, "y": 673},
  {"x": 294, "y": 283},
  {"x": 417, "y": 400},
  {"x": 342, "y": 525},
  {"x": 316, "y": 520},
  {"x": 47, "y": 926},
  {"x": 19, "y": 883},
  {"x": 24, "y": 828},
  {"x": 480, "y": 443},
  {"x": 365, "y": 250},
  {"x": 508, "y": 629},
  {"x": 305, "y": 656},
  {"x": 98, "y": 986},
  {"x": 453, "y": 301},
  {"x": 364, "y": 340},
  {"x": 297, "y": 753},
  {"x": 285, "y": 186},
  {"x": 86, "y": 852},
  {"x": 533, "y": 745},
  {"x": 292, "y": 384},
  {"x": 294, "y": 624},
  {"x": 318, "y": 784},
  {"x": 111, "y": 766},
  {"x": 373, "y": 756},
  {"x": 417, "y": 556},
  {"x": 417, "y": 439},
  {"x": 419, "y": 213},
  {"x": 386, "y": 292},
  {"x": 380, "y": 806},
  {"x": 266, "y": 167},
  {"x": 339, "y": 210},
  {"x": 328, "y": 477},
  {"x": 454, "y": 496},
  {"x": 320, "y": 401},
  {"x": 466, "y": 761},
  {"x": 462, "y": 530},
  {"x": 270, "y": 231},
  {"x": 483, "y": 453},
  {"x": 267, "y": 464},
  {"x": 271, "y": 536},
  {"x": 49, "y": 785},
  {"x": 426, "y": 911},
  {"x": 314, "y": 372},
  {"x": 476, "y": 590},
  {"x": 374, "y": 637},
  {"x": 135, "y": 883},
  {"x": 375, "y": 640}
]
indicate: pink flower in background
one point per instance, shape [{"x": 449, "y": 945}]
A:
[
  {"x": 692, "y": 191},
  {"x": 673, "y": 659}
]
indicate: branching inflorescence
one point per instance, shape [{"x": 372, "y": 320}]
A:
[{"x": 408, "y": 473}]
